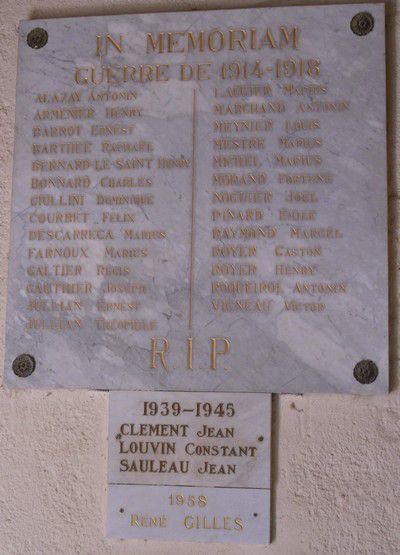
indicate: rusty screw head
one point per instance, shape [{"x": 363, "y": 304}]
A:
[
  {"x": 362, "y": 23},
  {"x": 37, "y": 38},
  {"x": 365, "y": 371},
  {"x": 23, "y": 365}
]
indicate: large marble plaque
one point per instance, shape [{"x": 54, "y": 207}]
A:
[
  {"x": 189, "y": 466},
  {"x": 199, "y": 202}
]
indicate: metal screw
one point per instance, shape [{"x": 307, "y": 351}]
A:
[
  {"x": 261, "y": 438},
  {"x": 365, "y": 371},
  {"x": 37, "y": 38},
  {"x": 362, "y": 23},
  {"x": 24, "y": 365}
]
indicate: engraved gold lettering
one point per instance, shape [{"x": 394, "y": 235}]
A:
[
  {"x": 157, "y": 352},
  {"x": 215, "y": 342}
]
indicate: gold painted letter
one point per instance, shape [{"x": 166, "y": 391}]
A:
[
  {"x": 214, "y": 349},
  {"x": 161, "y": 353}
]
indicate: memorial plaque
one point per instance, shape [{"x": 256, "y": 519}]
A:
[
  {"x": 199, "y": 202},
  {"x": 189, "y": 466}
]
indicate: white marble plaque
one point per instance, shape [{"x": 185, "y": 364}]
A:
[
  {"x": 203, "y": 439},
  {"x": 199, "y": 202},
  {"x": 189, "y": 514},
  {"x": 189, "y": 466}
]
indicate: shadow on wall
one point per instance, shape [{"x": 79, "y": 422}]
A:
[
  {"x": 149, "y": 6},
  {"x": 393, "y": 197}
]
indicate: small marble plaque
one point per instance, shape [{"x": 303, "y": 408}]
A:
[
  {"x": 189, "y": 514},
  {"x": 199, "y": 202},
  {"x": 203, "y": 439},
  {"x": 205, "y": 460}
]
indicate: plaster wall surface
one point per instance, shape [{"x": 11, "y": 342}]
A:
[{"x": 336, "y": 459}]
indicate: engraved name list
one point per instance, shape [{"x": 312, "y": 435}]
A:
[{"x": 199, "y": 204}]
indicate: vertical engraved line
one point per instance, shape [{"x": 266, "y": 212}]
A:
[{"x": 193, "y": 219}]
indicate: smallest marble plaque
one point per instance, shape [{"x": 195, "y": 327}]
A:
[{"x": 189, "y": 466}]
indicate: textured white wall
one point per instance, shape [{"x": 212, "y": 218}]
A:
[{"x": 336, "y": 461}]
